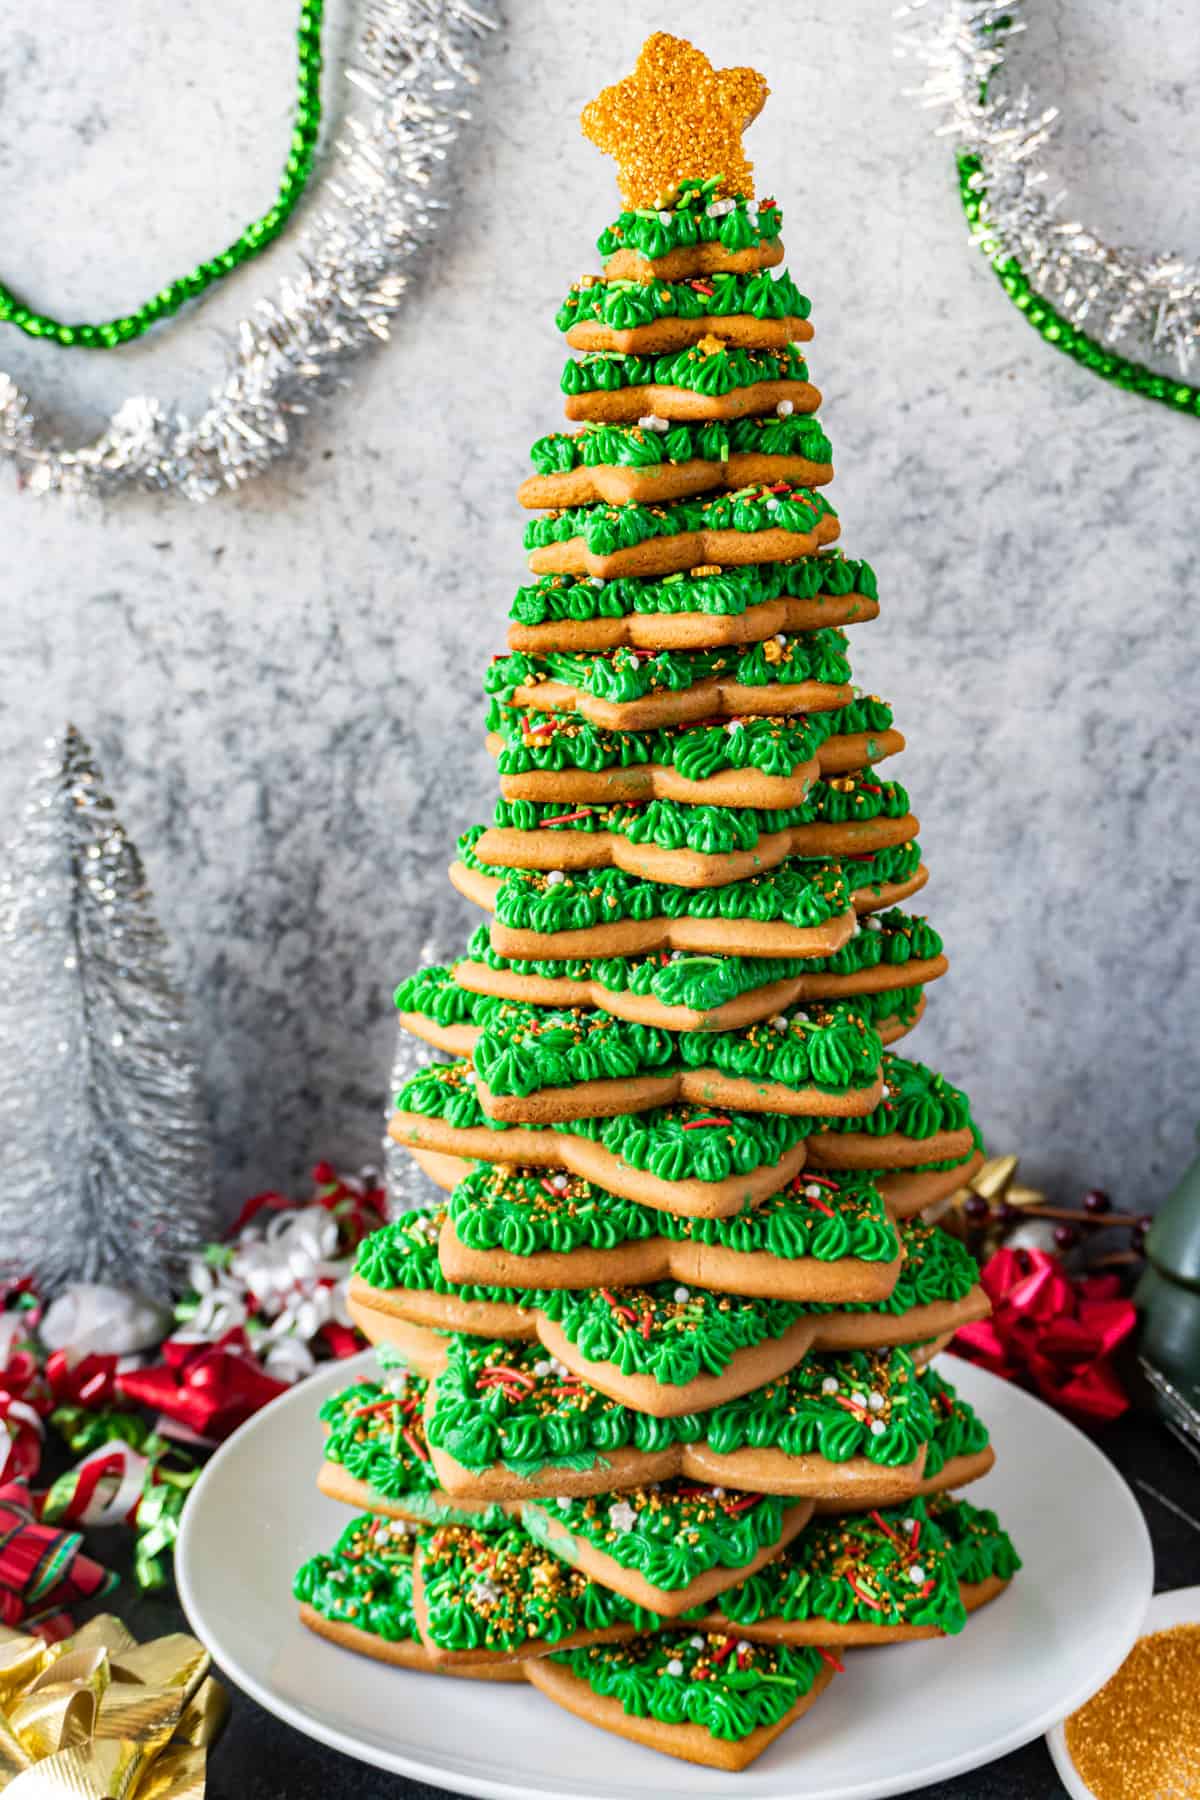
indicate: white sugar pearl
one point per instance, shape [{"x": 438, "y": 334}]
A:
[
  {"x": 597, "y": 581},
  {"x": 697, "y": 1643},
  {"x": 743, "y": 1644},
  {"x": 664, "y": 218},
  {"x": 554, "y": 876},
  {"x": 563, "y": 1500},
  {"x": 829, "y": 1385},
  {"x": 916, "y": 1574},
  {"x": 878, "y": 1428},
  {"x": 559, "y": 1183},
  {"x": 875, "y": 1401},
  {"x": 718, "y": 1493},
  {"x": 779, "y": 1022},
  {"x": 734, "y": 725},
  {"x": 781, "y": 639},
  {"x": 682, "y": 1294},
  {"x": 885, "y": 1092},
  {"x": 871, "y": 923},
  {"x": 812, "y": 1191},
  {"x": 541, "y": 1368},
  {"x": 908, "y": 1524},
  {"x": 786, "y": 408},
  {"x": 470, "y": 1075},
  {"x": 675, "y": 1667}
]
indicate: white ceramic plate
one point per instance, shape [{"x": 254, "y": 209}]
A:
[
  {"x": 898, "y": 1718},
  {"x": 1179, "y": 1607}
]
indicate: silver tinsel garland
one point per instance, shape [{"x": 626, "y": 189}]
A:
[
  {"x": 1109, "y": 291},
  {"x": 411, "y": 66},
  {"x": 107, "y": 1168}
]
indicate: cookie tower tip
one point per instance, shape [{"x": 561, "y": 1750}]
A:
[{"x": 676, "y": 119}]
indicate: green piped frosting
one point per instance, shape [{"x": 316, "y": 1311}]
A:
[
  {"x": 936, "y": 1268},
  {"x": 606, "y": 528},
  {"x": 672, "y": 825},
  {"x": 669, "y": 1532},
  {"x": 958, "y": 1429},
  {"x": 918, "y": 1103},
  {"x": 673, "y": 1333},
  {"x": 568, "y": 740},
  {"x": 728, "y": 594},
  {"x": 890, "y": 940},
  {"x": 978, "y": 1545},
  {"x": 800, "y": 892},
  {"x": 624, "y": 305},
  {"x": 497, "y": 1591},
  {"x": 714, "y": 372},
  {"x": 498, "y": 1207},
  {"x": 543, "y": 1421},
  {"x": 693, "y": 218},
  {"x": 622, "y": 675},
  {"x": 365, "y": 1580},
  {"x": 889, "y": 1568},
  {"x": 404, "y": 1254},
  {"x": 599, "y": 445},
  {"x": 665, "y": 1142},
  {"x": 524, "y": 1049},
  {"x": 689, "y": 1678}
]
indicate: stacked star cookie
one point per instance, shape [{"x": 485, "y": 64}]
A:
[{"x": 655, "y": 1427}]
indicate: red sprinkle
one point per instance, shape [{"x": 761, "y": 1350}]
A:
[
  {"x": 623, "y": 1312},
  {"x": 376, "y": 1406},
  {"x": 887, "y": 1530},
  {"x": 418, "y": 1451},
  {"x": 834, "y": 1662},
  {"x": 584, "y": 812},
  {"x": 867, "y": 1599},
  {"x": 695, "y": 1124}
]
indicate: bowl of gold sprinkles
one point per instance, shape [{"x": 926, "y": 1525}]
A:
[{"x": 1139, "y": 1737}]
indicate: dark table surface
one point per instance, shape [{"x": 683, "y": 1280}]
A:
[{"x": 260, "y": 1758}]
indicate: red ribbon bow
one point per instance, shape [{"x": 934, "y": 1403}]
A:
[
  {"x": 42, "y": 1569},
  {"x": 1052, "y": 1333},
  {"x": 210, "y": 1388}
]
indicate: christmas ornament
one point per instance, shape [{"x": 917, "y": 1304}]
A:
[
  {"x": 1168, "y": 1303},
  {"x": 1052, "y": 1333},
  {"x": 108, "y": 1171},
  {"x": 1080, "y": 293},
  {"x": 411, "y": 65},
  {"x": 115, "y": 1719},
  {"x": 993, "y": 1208},
  {"x": 252, "y": 241}
]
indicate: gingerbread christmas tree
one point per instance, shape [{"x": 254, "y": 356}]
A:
[{"x": 655, "y": 1427}]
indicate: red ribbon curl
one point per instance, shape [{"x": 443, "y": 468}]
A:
[{"x": 210, "y": 1388}]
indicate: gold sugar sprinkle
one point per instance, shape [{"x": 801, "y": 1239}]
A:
[
  {"x": 676, "y": 118},
  {"x": 1139, "y": 1737}
]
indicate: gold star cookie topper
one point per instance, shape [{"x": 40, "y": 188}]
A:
[{"x": 676, "y": 118}]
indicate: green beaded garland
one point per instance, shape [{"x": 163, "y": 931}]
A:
[
  {"x": 254, "y": 239},
  {"x": 1134, "y": 377}
]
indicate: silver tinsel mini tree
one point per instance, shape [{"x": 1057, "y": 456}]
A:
[{"x": 107, "y": 1154}]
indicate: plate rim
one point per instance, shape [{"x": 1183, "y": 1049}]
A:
[{"x": 396, "y": 1761}]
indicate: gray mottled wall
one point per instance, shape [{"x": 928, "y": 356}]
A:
[{"x": 284, "y": 686}]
